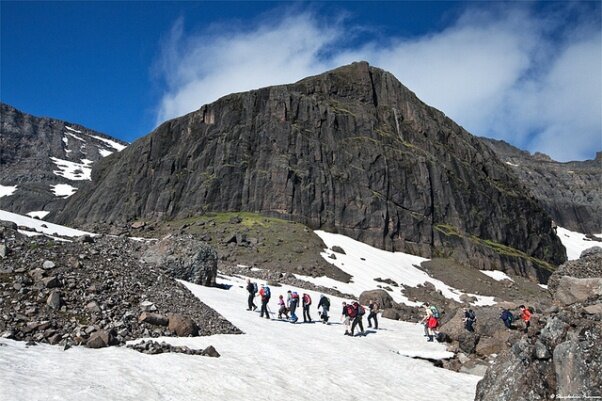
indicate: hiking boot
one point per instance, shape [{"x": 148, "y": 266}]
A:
[
  {"x": 254, "y": 307},
  {"x": 248, "y": 309},
  {"x": 430, "y": 340}
]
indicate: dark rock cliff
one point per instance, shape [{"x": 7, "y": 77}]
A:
[
  {"x": 352, "y": 151},
  {"x": 570, "y": 192},
  {"x": 27, "y": 146}
]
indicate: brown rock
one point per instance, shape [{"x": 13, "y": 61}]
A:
[
  {"x": 100, "y": 339},
  {"x": 381, "y": 296},
  {"x": 182, "y": 326},
  {"x": 54, "y": 300},
  {"x": 573, "y": 290},
  {"x": 153, "y": 318}
]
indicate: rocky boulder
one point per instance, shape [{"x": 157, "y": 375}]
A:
[
  {"x": 182, "y": 326},
  {"x": 589, "y": 265},
  {"x": 383, "y": 298},
  {"x": 571, "y": 290},
  {"x": 101, "y": 339},
  {"x": 185, "y": 258}
]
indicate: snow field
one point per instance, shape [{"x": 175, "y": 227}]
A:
[
  {"x": 37, "y": 225},
  {"x": 115, "y": 145},
  {"x": 277, "y": 359},
  {"x": 396, "y": 266},
  {"x": 575, "y": 243}
]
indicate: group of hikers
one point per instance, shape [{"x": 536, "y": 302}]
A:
[
  {"x": 525, "y": 315},
  {"x": 352, "y": 313},
  {"x": 432, "y": 318}
]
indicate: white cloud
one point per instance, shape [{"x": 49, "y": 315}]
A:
[{"x": 499, "y": 74}]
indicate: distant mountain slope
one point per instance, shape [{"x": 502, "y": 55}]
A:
[
  {"x": 351, "y": 151},
  {"x": 570, "y": 192},
  {"x": 44, "y": 160}
]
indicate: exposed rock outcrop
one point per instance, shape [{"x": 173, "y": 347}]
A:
[
  {"x": 570, "y": 192},
  {"x": 352, "y": 151},
  {"x": 94, "y": 293},
  {"x": 184, "y": 258},
  {"x": 561, "y": 356}
]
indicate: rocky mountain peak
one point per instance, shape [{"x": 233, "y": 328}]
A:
[{"x": 352, "y": 151}]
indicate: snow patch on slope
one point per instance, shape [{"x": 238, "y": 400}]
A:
[
  {"x": 119, "y": 147},
  {"x": 74, "y": 136},
  {"x": 63, "y": 190},
  {"x": 39, "y": 214},
  {"x": 73, "y": 129},
  {"x": 73, "y": 171},
  {"x": 41, "y": 226},
  {"x": 496, "y": 275},
  {"x": 104, "y": 152},
  {"x": 575, "y": 243},
  {"x": 365, "y": 263},
  {"x": 7, "y": 190}
]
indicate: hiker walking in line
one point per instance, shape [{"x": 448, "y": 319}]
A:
[
  {"x": 507, "y": 318},
  {"x": 359, "y": 313},
  {"x": 282, "y": 310},
  {"x": 252, "y": 290},
  {"x": 374, "y": 308},
  {"x": 293, "y": 301},
  {"x": 265, "y": 294},
  {"x": 325, "y": 305},
  {"x": 469, "y": 319},
  {"x": 525, "y": 315},
  {"x": 306, "y": 305},
  {"x": 346, "y": 318},
  {"x": 431, "y": 321}
]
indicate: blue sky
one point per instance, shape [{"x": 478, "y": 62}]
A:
[{"x": 528, "y": 73}]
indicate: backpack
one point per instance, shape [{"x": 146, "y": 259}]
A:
[
  {"x": 435, "y": 312},
  {"x": 326, "y": 302},
  {"x": 507, "y": 315},
  {"x": 295, "y": 297},
  {"x": 350, "y": 310},
  {"x": 531, "y": 309},
  {"x": 307, "y": 299},
  {"x": 471, "y": 315},
  {"x": 266, "y": 292},
  {"x": 360, "y": 310},
  {"x": 255, "y": 289}
]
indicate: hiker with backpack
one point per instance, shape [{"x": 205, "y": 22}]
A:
[
  {"x": 293, "y": 301},
  {"x": 469, "y": 319},
  {"x": 430, "y": 321},
  {"x": 252, "y": 290},
  {"x": 525, "y": 315},
  {"x": 507, "y": 318},
  {"x": 358, "y": 315},
  {"x": 346, "y": 318},
  {"x": 306, "y": 304},
  {"x": 282, "y": 310},
  {"x": 374, "y": 308},
  {"x": 325, "y": 305},
  {"x": 265, "y": 295}
]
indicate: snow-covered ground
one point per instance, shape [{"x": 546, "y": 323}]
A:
[
  {"x": 496, "y": 275},
  {"x": 7, "y": 190},
  {"x": 365, "y": 263},
  {"x": 575, "y": 243},
  {"x": 273, "y": 360},
  {"x": 41, "y": 226},
  {"x": 115, "y": 145}
]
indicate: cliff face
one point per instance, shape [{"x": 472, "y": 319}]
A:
[
  {"x": 570, "y": 192},
  {"x": 352, "y": 151},
  {"x": 39, "y": 153}
]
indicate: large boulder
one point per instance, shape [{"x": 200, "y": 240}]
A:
[
  {"x": 589, "y": 265},
  {"x": 101, "y": 339},
  {"x": 182, "y": 326},
  {"x": 381, "y": 296},
  {"x": 184, "y": 258},
  {"x": 572, "y": 290}
]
